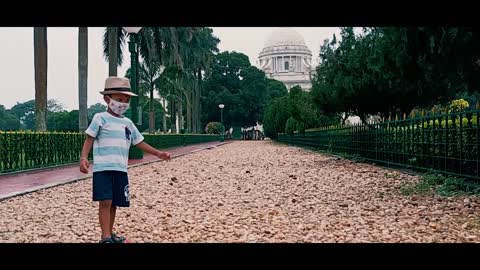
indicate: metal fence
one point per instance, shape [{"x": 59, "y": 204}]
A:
[
  {"x": 32, "y": 150},
  {"x": 446, "y": 143}
]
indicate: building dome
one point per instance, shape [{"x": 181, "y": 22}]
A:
[
  {"x": 286, "y": 57},
  {"x": 285, "y": 36}
]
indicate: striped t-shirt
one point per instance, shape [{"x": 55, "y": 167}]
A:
[{"x": 113, "y": 137}]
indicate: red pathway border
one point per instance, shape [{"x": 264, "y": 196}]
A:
[{"x": 22, "y": 183}]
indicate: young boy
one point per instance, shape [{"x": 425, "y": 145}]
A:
[{"x": 111, "y": 135}]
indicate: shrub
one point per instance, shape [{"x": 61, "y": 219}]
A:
[
  {"x": 458, "y": 105},
  {"x": 214, "y": 128},
  {"x": 290, "y": 126},
  {"x": 300, "y": 127}
]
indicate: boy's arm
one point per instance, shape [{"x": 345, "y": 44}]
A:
[
  {"x": 147, "y": 148},
  {"x": 87, "y": 145}
]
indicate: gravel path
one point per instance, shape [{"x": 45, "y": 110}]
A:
[{"x": 249, "y": 191}]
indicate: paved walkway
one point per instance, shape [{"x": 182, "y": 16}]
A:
[{"x": 21, "y": 183}]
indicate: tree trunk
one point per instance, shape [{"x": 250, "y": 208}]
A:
[
  {"x": 189, "y": 110},
  {"x": 82, "y": 77},
  {"x": 151, "y": 113},
  {"x": 194, "y": 107},
  {"x": 112, "y": 51},
  {"x": 41, "y": 66},
  {"x": 164, "y": 115},
  {"x": 180, "y": 116},
  {"x": 173, "y": 115},
  {"x": 199, "y": 105}
]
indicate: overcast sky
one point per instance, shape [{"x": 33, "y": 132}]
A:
[{"x": 17, "y": 70}]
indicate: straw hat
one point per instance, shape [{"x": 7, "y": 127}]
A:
[{"x": 117, "y": 85}]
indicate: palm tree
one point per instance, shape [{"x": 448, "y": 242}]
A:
[
  {"x": 204, "y": 45},
  {"x": 163, "y": 87},
  {"x": 194, "y": 47},
  {"x": 41, "y": 65},
  {"x": 161, "y": 46},
  {"x": 172, "y": 85},
  {"x": 166, "y": 46},
  {"x": 149, "y": 77},
  {"x": 113, "y": 41},
  {"x": 82, "y": 77},
  {"x": 157, "y": 49}
]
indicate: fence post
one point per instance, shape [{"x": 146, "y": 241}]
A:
[
  {"x": 388, "y": 156},
  {"x": 478, "y": 140},
  {"x": 461, "y": 142},
  {"x": 423, "y": 138},
  {"x": 376, "y": 141},
  {"x": 412, "y": 143},
  {"x": 397, "y": 150},
  {"x": 446, "y": 143},
  {"x": 434, "y": 143}
]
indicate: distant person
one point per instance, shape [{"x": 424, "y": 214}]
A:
[{"x": 111, "y": 135}]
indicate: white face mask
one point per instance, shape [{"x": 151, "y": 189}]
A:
[{"x": 118, "y": 107}]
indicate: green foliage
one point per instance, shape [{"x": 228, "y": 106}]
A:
[
  {"x": 300, "y": 127},
  {"x": 290, "y": 126},
  {"x": 243, "y": 88},
  {"x": 395, "y": 69},
  {"x": 94, "y": 109},
  {"x": 25, "y": 112},
  {"x": 297, "y": 104},
  {"x": 276, "y": 117},
  {"x": 444, "y": 186},
  {"x": 63, "y": 121},
  {"x": 158, "y": 113},
  {"x": 301, "y": 108},
  {"x": 214, "y": 128},
  {"x": 458, "y": 186},
  {"x": 458, "y": 105},
  {"x": 8, "y": 120},
  {"x": 24, "y": 150},
  {"x": 412, "y": 143},
  {"x": 275, "y": 89}
]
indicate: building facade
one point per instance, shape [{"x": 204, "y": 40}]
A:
[{"x": 286, "y": 58}]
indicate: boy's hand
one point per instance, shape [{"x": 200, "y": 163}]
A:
[
  {"x": 84, "y": 164},
  {"x": 163, "y": 155}
]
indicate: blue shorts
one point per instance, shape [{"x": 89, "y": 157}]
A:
[{"x": 111, "y": 185}]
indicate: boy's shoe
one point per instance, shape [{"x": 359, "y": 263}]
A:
[
  {"x": 106, "y": 240},
  {"x": 118, "y": 239}
]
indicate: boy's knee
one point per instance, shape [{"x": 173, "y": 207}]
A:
[{"x": 105, "y": 204}]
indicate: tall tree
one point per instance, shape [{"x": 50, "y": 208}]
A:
[
  {"x": 95, "y": 108},
  {"x": 113, "y": 42},
  {"x": 8, "y": 120},
  {"x": 40, "y": 62},
  {"x": 82, "y": 77},
  {"x": 25, "y": 112},
  {"x": 148, "y": 81},
  {"x": 204, "y": 45},
  {"x": 242, "y": 87}
]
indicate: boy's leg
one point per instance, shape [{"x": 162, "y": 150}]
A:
[
  {"x": 103, "y": 193},
  {"x": 113, "y": 210},
  {"x": 105, "y": 218},
  {"x": 120, "y": 199}
]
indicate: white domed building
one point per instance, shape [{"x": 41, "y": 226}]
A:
[{"x": 286, "y": 58}]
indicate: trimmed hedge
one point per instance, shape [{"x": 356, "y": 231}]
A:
[{"x": 25, "y": 150}]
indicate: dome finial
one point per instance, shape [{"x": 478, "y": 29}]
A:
[{"x": 285, "y": 36}]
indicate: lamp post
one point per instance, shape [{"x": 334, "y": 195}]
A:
[
  {"x": 132, "y": 47},
  {"x": 221, "y": 106},
  {"x": 134, "y": 153}
]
